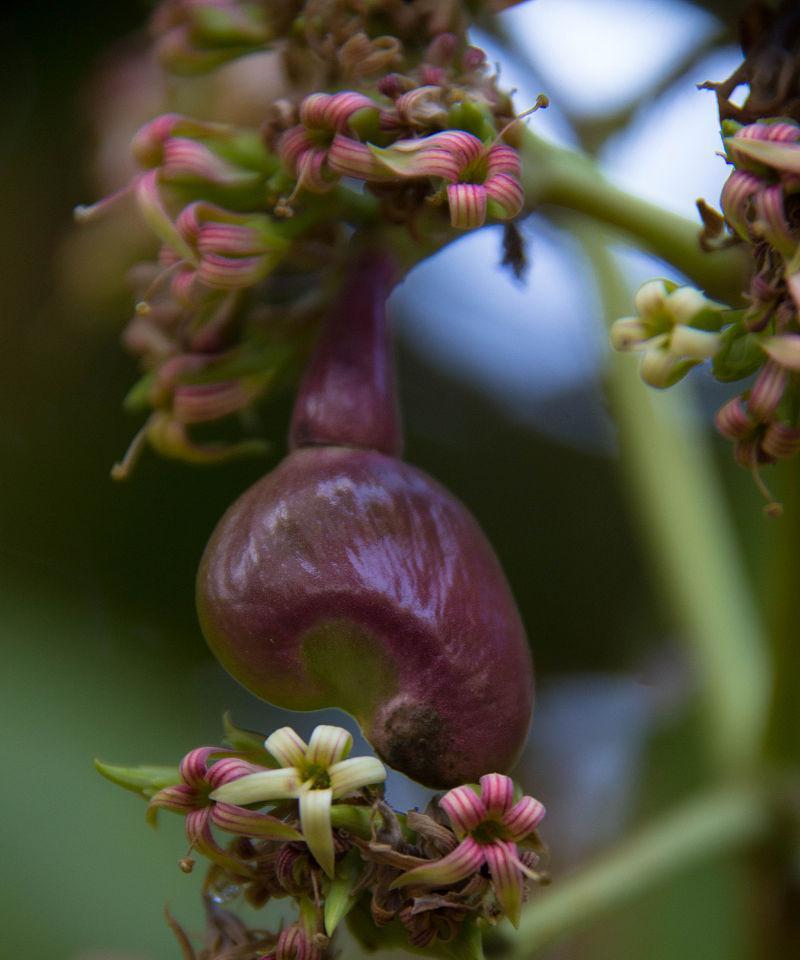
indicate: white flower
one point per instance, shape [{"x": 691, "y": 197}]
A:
[{"x": 315, "y": 774}]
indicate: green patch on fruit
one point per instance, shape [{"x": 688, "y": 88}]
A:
[{"x": 346, "y": 664}]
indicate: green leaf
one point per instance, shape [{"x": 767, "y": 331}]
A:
[
  {"x": 339, "y": 902},
  {"x": 144, "y": 780},
  {"x": 247, "y": 742}
]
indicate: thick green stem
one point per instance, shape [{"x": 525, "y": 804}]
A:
[
  {"x": 696, "y": 557},
  {"x": 565, "y": 178},
  {"x": 702, "y": 828}
]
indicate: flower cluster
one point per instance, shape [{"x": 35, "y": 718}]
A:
[
  {"x": 331, "y": 843},
  {"x": 414, "y": 132},
  {"x": 677, "y": 328}
]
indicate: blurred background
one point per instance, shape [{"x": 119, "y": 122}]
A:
[{"x": 502, "y": 388}]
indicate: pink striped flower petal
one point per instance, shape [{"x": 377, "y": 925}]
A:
[
  {"x": 194, "y": 764},
  {"x": 148, "y": 198},
  {"x": 771, "y": 222},
  {"x": 781, "y": 441},
  {"x": 467, "y": 203},
  {"x": 464, "y": 808},
  {"x": 463, "y": 145},
  {"x": 186, "y": 159},
  {"x": 506, "y": 878},
  {"x": 443, "y": 155},
  {"x": 229, "y": 239},
  {"x": 312, "y": 171},
  {"x": 505, "y": 194},
  {"x": 503, "y": 159},
  {"x": 349, "y": 158},
  {"x": 332, "y": 111},
  {"x": 733, "y": 420},
  {"x": 251, "y": 823},
  {"x": 523, "y": 818},
  {"x": 294, "y": 944},
  {"x": 232, "y": 273},
  {"x": 292, "y": 144},
  {"x": 180, "y": 798},
  {"x": 229, "y": 769},
  {"x": 786, "y": 132},
  {"x": 767, "y": 391},
  {"x": 739, "y": 189},
  {"x": 466, "y": 859},
  {"x": 497, "y": 792},
  {"x": 205, "y": 402},
  {"x": 201, "y": 839}
]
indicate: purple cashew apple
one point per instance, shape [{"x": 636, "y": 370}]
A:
[{"x": 348, "y": 578}]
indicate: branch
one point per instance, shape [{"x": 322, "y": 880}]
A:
[{"x": 564, "y": 178}]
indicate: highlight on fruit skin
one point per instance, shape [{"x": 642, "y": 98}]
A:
[{"x": 347, "y": 578}]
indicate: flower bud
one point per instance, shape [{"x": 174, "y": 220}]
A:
[{"x": 348, "y": 578}]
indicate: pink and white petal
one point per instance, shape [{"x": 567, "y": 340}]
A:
[
  {"x": 201, "y": 839},
  {"x": 328, "y": 745},
  {"x": 506, "y": 877},
  {"x": 735, "y": 199},
  {"x": 505, "y": 194},
  {"x": 292, "y": 144},
  {"x": 287, "y": 746},
  {"x": 417, "y": 159},
  {"x": 260, "y": 787},
  {"x": 771, "y": 222},
  {"x": 187, "y": 159},
  {"x": 349, "y": 775},
  {"x": 503, "y": 159},
  {"x": 466, "y": 859},
  {"x": 204, "y": 402},
  {"x": 148, "y": 199},
  {"x": 232, "y": 240},
  {"x": 467, "y": 205},
  {"x": 193, "y": 765},
  {"x": 349, "y": 158},
  {"x": 315, "y": 822},
  {"x": 229, "y": 769},
  {"x": 312, "y": 172},
  {"x": 342, "y": 106},
  {"x": 523, "y": 818},
  {"x": 497, "y": 792},
  {"x": 180, "y": 798},
  {"x": 232, "y": 273},
  {"x": 464, "y": 808},
  {"x": 461, "y": 144},
  {"x": 250, "y": 823}
]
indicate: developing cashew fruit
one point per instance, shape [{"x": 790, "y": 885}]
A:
[{"x": 348, "y": 578}]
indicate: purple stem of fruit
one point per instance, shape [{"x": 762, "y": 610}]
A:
[{"x": 347, "y": 397}]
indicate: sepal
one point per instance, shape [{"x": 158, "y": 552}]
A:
[{"x": 144, "y": 780}]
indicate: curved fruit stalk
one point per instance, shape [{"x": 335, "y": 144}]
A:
[{"x": 348, "y": 578}]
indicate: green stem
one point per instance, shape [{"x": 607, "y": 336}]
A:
[
  {"x": 672, "y": 480},
  {"x": 565, "y": 178},
  {"x": 702, "y": 828},
  {"x": 780, "y": 586}
]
